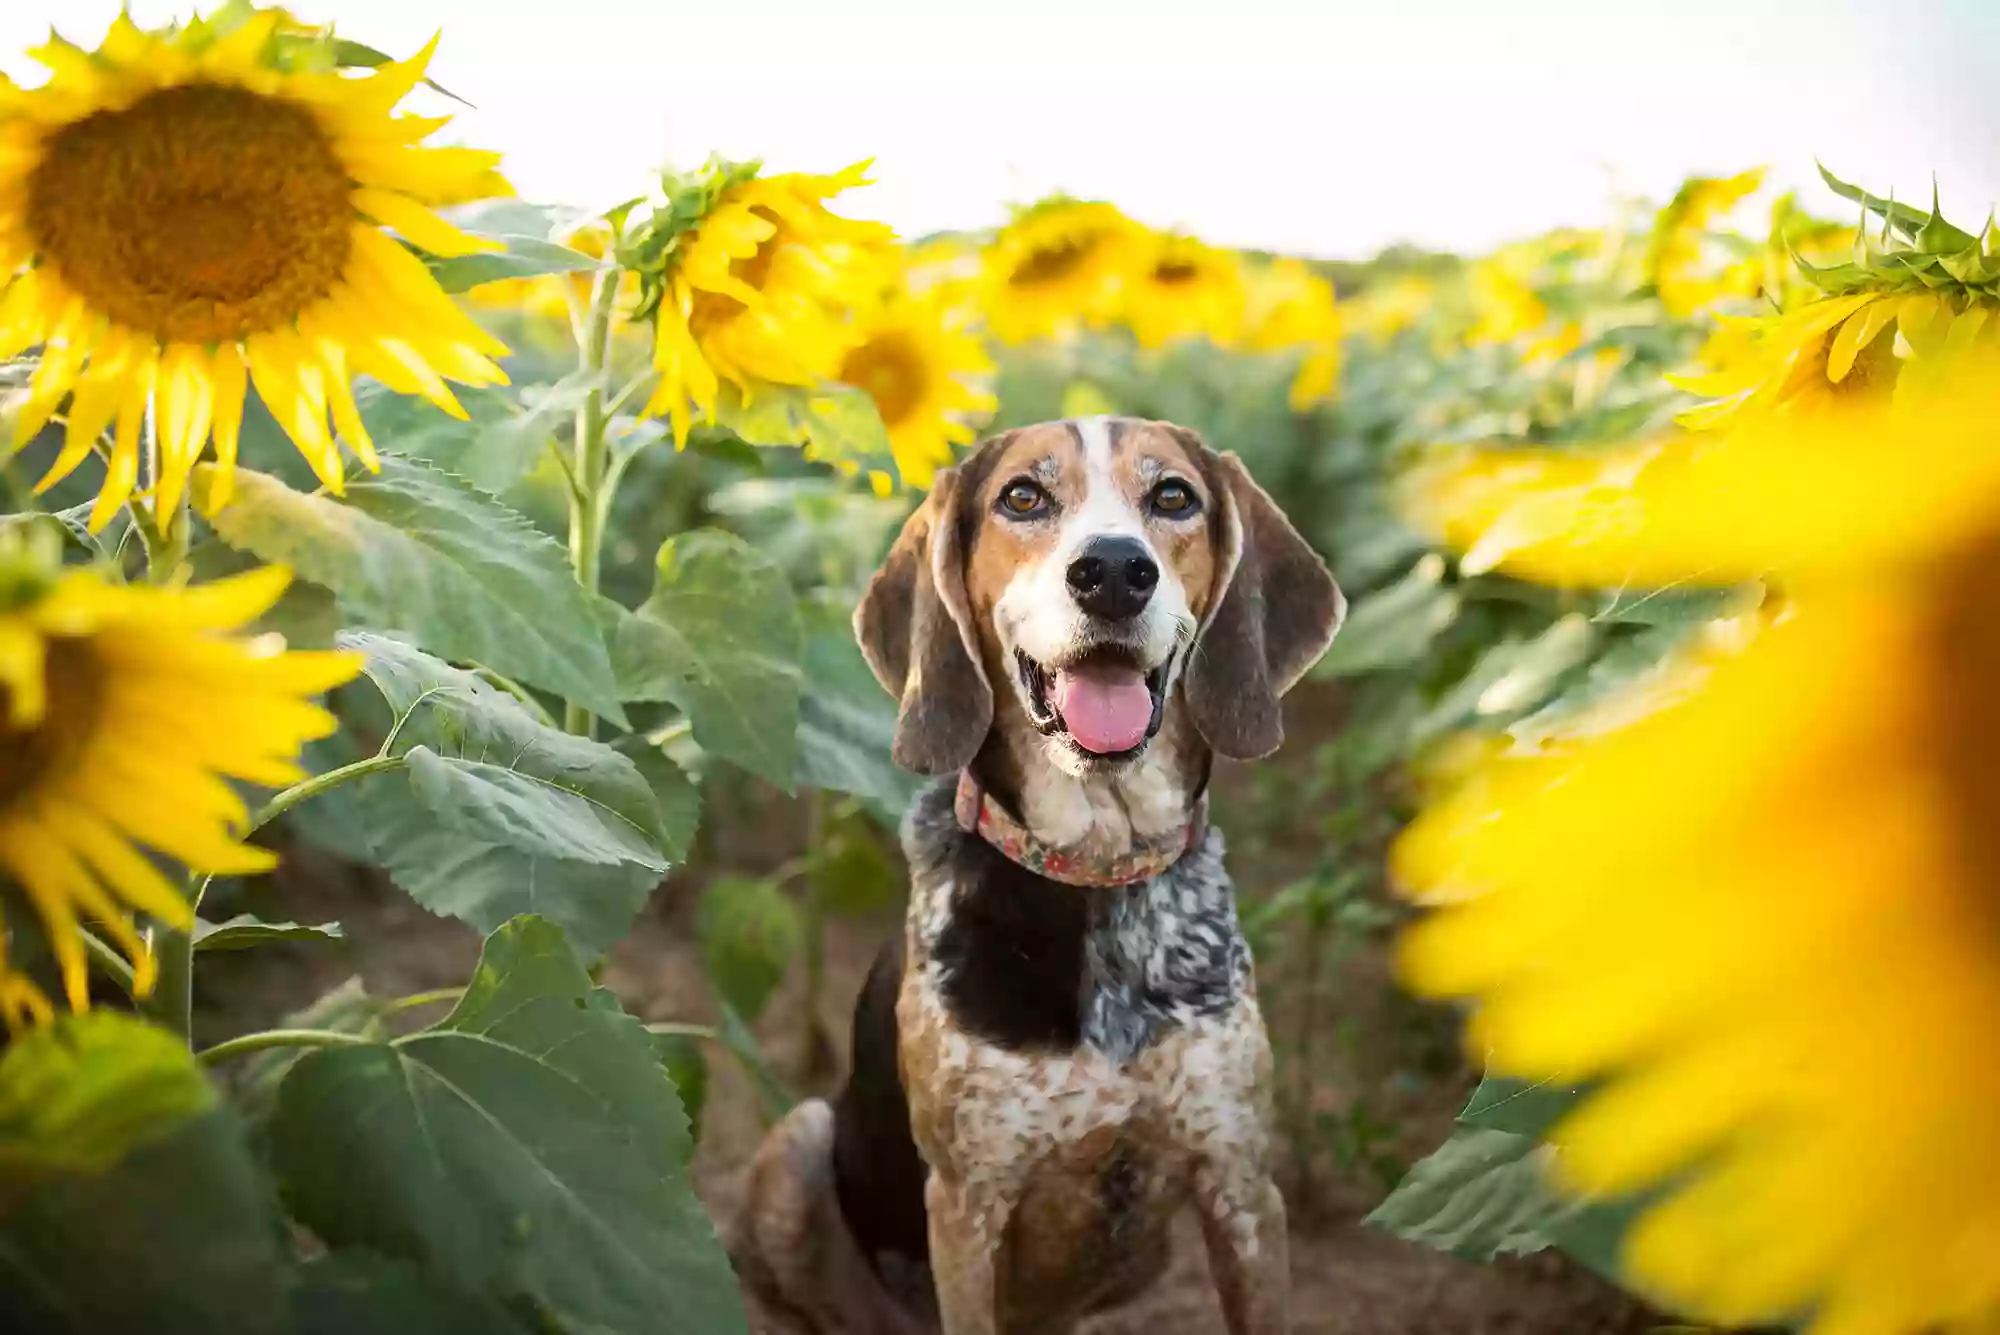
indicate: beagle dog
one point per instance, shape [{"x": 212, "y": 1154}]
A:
[{"x": 1063, "y": 1048}]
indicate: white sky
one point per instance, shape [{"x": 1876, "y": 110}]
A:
[{"x": 1328, "y": 129}]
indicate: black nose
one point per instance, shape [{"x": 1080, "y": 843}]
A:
[{"x": 1113, "y": 578}]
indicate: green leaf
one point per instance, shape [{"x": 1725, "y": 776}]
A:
[
  {"x": 245, "y": 931},
  {"x": 1478, "y": 1196},
  {"x": 78, "y": 1095},
  {"x": 497, "y": 445},
  {"x": 527, "y": 230},
  {"x": 1529, "y": 1109},
  {"x": 450, "y": 567},
  {"x": 530, "y": 1148},
  {"x": 831, "y": 422},
  {"x": 750, "y": 933},
  {"x": 675, "y": 793},
  {"x": 307, "y": 615},
  {"x": 499, "y": 814},
  {"x": 1394, "y": 626},
  {"x": 682, "y": 1059},
  {"x": 1926, "y": 229},
  {"x": 128, "y": 1199},
  {"x": 720, "y": 638},
  {"x": 347, "y": 1009},
  {"x": 847, "y": 721},
  {"x": 852, "y": 873},
  {"x": 348, "y": 1293}
]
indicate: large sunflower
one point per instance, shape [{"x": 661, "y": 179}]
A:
[
  {"x": 181, "y": 215},
  {"x": 1181, "y": 288},
  {"x": 759, "y": 292},
  {"x": 1764, "y": 917},
  {"x": 1291, "y": 307},
  {"x": 1058, "y": 267},
  {"x": 915, "y": 361},
  {"x": 122, "y": 712}
]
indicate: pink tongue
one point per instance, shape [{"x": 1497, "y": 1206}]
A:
[{"x": 1106, "y": 708}]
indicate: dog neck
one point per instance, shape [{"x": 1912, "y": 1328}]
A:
[{"x": 1096, "y": 817}]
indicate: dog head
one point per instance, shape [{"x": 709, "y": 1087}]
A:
[{"x": 1082, "y": 582}]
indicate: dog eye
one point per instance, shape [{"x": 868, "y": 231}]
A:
[
  {"x": 1175, "y": 498},
  {"x": 1023, "y": 499}
]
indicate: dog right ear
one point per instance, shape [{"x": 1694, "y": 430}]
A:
[{"x": 915, "y": 629}]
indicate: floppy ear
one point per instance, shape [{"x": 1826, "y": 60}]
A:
[
  {"x": 1274, "y": 611},
  {"x": 915, "y": 629}
]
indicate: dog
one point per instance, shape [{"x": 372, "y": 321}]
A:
[{"x": 1063, "y": 1048}]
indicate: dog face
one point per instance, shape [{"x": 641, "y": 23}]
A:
[
  {"x": 1094, "y": 576},
  {"x": 1092, "y": 561}
]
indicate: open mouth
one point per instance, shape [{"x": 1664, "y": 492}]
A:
[{"x": 1103, "y": 702}]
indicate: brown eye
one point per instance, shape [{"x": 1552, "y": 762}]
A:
[
  {"x": 1023, "y": 499},
  {"x": 1175, "y": 498}
]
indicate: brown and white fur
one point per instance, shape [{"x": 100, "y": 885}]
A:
[{"x": 1044, "y": 1074}]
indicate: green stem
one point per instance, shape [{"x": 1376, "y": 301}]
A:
[
  {"x": 299, "y": 792},
  {"x": 590, "y": 498},
  {"x": 705, "y": 1032},
  {"x": 280, "y": 1038},
  {"x": 416, "y": 999},
  {"x": 108, "y": 961}
]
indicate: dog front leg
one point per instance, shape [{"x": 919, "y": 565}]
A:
[
  {"x": 1243, "y": 1223},
  {"x": 967, "y": 1225}
]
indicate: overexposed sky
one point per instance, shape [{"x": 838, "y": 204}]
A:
[{"x": 1329, "y": 129}]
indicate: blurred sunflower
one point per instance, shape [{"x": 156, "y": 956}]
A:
[
  {"x": 1291, "y": 307},
  {"x": 1059, "y": 266},
  {"x": 1181, "y": 288},
  {"x": 915, "y": 362},
  {"x": 1902, "y": 313},
  {"x": 180, "y": 214},
  {"x": 122, "y": 712},
  {"x": 759, "y": 289},
  {"x": 1387, "y": 308},
  {"x": 1506, "y": 309},
  {"x": 555, "y": 296},
  {"x": 1682, "y": 259},
  {"x": 1762, "y": 918}
]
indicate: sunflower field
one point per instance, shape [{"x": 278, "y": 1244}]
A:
[{"x": 424, "y": 626}]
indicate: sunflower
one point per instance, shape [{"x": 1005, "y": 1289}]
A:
[
  {"x": 1291, "y": 307},
  {"x": 1506, "y": 309},
  {"x": 1681, "y": 261},
  {"x": 915, "y": 360},
  {"x": 1761, "y": 919},
  {"x": 181, "y": 216},
  {"x": 122, "y": 712},
  {"x": 1904, "y": 311},
  {"x": 1181, "y": 288},
  {"x": 1387, "y": 308},
  {"x": 1058, "y": 267},
  {"x": 759, "y": 291}
]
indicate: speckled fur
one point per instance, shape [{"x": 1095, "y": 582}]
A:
[{"x": 1054, "y": 1175}]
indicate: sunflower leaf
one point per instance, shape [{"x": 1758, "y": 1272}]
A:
[
  {"x": 494, "y": 447},
  {"x": 1477, "y": 1196},
  {"x": 528, "y": 232},
  {"x": 529, "y": 1148},
  {"x": 750, "y": 933},
  {"x": 720, "y": 638},
  {"x": 497, "y": 814},
  {"x": 451, "y": 568},
  {"x": 116, "y": 1161},
  {"x": 351, "y": 1291},
  {"x": 245, "y": 931}
]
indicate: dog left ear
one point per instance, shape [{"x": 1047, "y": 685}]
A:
[
  {"x": 1274, "y": 611},
  {"x": 915, "y": 629}
]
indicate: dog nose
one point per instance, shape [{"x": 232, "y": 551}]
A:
[{"x": 1113, "y": 578}]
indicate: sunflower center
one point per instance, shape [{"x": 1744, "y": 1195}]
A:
[
  {"x": 1965, "y": 642},
  {"x": 1051, "y": 263},
  {"x": 69, "y": 718},
  {"x": 1172, "y": 273},
  {"x": 200, "y": 214},
  {"x": 890, "y": 368}
]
